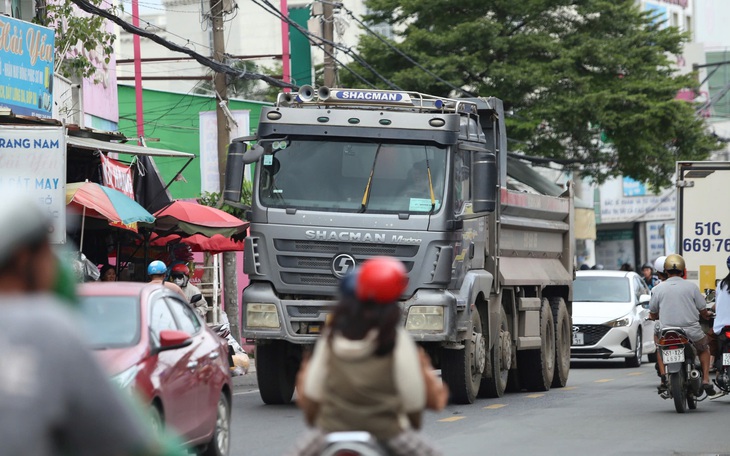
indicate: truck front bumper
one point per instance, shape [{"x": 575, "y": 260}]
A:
[{"x": 301, "y": 321}]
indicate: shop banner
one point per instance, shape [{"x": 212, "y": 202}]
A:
[
  {"x": 209, "y": 174},
  {"x": 117, "y": 176},
  {"x": 26, "y": 67},
  {"x": 33, "y": 162}
]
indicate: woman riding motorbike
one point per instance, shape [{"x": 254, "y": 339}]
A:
[{"x": 366, "y": 373}]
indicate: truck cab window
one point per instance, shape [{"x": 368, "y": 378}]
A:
[{"x": 462, "y": 180}]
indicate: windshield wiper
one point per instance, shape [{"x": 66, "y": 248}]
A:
[{"x": 366, "y": 194}]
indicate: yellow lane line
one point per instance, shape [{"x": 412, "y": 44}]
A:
[
  {"x": 604, "y": 380},
  {"x": 635, "y": 374},
  {"x": 451, "y": 419},
  {"x": 495, "y": 406},
  {"x": 534, "y": 396},
  {"x": 569, "y": 388}
]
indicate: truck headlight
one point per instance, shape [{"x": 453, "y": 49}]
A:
[
  {"x": 259, "y": 315},
  {"x": 425, "y": 318},
  {"x": 624, "y": 321}
]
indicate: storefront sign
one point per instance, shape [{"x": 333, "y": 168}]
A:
[
  {"x": 616, "y": 208},
  {"x": 33, "y": 162},
  {"x": 26, "y": 67}
]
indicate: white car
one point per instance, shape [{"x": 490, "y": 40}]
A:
[{"x": 609, "y": 317}]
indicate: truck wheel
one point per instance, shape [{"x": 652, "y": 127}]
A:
[
  {"x": 276, "y": 372},
  {"x": 563, "y": 340},
  {"x": 462, "y": 369},
  {"x": 500, "y": 357},
  {"x": 537, "y": 367}
]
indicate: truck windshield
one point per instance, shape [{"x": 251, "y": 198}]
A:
[{"x": 335, "y": 176}]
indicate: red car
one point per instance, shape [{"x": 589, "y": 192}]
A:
[{"x": 152, "y": 341}]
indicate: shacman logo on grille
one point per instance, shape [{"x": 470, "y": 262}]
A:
[{"x": 342, "y": 264}]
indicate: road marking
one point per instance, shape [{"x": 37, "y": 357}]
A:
[
  {"x": 604, "y": 380},
  {"x": 495, "y": 406},
  {"x": 451, "y": 419},
  {"x": 534, "y": 396},
  {"x": 635, "y": 374},
  {"x": 245, "y": 392},
  {"x": 569, "y": 388}
]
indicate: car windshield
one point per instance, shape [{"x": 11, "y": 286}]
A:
[
  {"x": 601, "y": 289},
  {"x": 110, "y": 321},
  {"x": 335, "y": 176}
]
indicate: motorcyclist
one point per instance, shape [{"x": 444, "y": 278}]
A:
[
  {"x": 647, "y": 275},
  {"x": 659, "y": 268},
  {"x": 366, "y": 373},
  {"x": 54, "y": 397},
  {"x": 157, "y": 270},
  {"x": 679, "y": 303},
  {"x": 180, "y": 276}
]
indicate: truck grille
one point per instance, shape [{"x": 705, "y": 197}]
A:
[
  {"x": 303, "y": 262},
  {"x": 592, "y": 333},
  {"x": 360, "y": 248}
]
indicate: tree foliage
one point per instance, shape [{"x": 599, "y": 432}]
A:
[
  {"x": 80, "y": 38},
  {"x": 568, "y": 71}
]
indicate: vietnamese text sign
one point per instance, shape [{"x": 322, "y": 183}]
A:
[
  {"x": 33, "y": 162},
  {"x": 26, "y": 67},
  {"x": 117, "y": 176}
]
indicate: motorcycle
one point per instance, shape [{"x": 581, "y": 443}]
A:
[
  {"x": 722, "y": 361},
  {"x": 356, "y": 443},
  {"x": 682, "y": 368}
]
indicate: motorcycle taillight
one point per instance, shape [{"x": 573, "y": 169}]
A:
[
  {"x": 348, "y": 453},
  {"x": 727, "y": 334}
]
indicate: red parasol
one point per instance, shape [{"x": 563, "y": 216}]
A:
[
  {"x": 200, "y": 243},
  {"x": 182, "y": 217}
]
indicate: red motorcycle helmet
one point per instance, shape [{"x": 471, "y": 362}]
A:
[
  {"x": 180, "y": 268},
  {"x": 381, "y": 280}
]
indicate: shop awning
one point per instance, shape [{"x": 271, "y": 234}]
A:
[{"x": 122, "y": 148}]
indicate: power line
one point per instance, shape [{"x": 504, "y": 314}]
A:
[
  {"x": 90, "y": 8},
  {"x": 318, "y": 42},
  {"x": 401, "y": 53}
]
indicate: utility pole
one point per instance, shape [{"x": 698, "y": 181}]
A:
[
  {"x": 230, "y": 270},
  {"x": 328, "y": 32}
]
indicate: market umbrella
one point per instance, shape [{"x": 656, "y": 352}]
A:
[
  {"x": 98, "y": 201},
  {"x": 182, "y": 217},
  {"x": 200, "y": 243}
]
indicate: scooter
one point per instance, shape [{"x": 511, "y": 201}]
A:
[
  {"x": 356, "y": 443},
  {"x": 682, "y": 368}
]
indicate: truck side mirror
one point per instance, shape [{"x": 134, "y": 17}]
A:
[
  {"x": 484, "y": 181},
  {"x": 234, "y": 172}
]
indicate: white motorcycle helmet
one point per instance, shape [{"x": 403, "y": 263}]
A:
[{"x": 659, "y": 264}]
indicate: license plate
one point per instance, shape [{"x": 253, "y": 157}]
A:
[
  {"x": 726, "y": 359},
  {"x": 579, "y": 340},
  {"x": 673, "y": 356}
]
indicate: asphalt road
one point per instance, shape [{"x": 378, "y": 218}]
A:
[{"x": 606, "y": 409}]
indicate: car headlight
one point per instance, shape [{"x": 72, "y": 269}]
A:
[
  {"x": 260, "y": 315},
  {"x": 425, "y": 318},
  {"x": 624, "y": 321},
  {"x": 126, "y": 378}
]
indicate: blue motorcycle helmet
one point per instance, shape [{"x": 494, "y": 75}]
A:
[
  {"x": 348, "y": 284},
  {"x": 727, "y": 262},
  {"x": 157, "y": 267}
]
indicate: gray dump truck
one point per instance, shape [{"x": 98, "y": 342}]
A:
[{"x": 342, "y": 175}]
